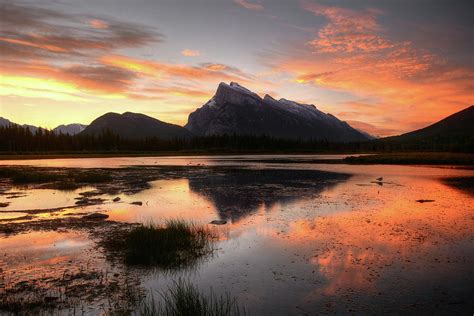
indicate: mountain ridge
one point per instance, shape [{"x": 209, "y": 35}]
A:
[
  {"x": 235, "y": 109},
  {"x": 459, "y": 124},
  {"x": 134, "y": 126}
]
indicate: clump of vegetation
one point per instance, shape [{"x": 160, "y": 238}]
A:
[
  {"x": 93, "y": 176},
  {"x": 177, "y": 243},
  {"x": 27, "y": 306},
  {"x": 185, "y": 299},
  {"x": 62, "y": 180},
  {"x": 20, "y": 176}
]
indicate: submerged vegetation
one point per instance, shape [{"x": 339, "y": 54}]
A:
[
  {"x": 185, "y": 299},
  {"x": 63, "y": 179}
]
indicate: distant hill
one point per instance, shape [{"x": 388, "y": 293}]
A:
[
  {"x": 453, "y": 133},
  {"x": 237, "y": 110},
  {"x": 70, "y": 129},
  {"x": 460, "y": 124},
  {"x": 135, "y": 126},
  {"x": 6, "y": 122}
]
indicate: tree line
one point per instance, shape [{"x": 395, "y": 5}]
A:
[{"x": 19, "y": 139}]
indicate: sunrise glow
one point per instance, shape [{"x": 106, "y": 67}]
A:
[{"x": 370, "y": 65}]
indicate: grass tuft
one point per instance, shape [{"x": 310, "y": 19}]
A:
[
  {"x": 175, "y": 244},
  {"x": 185, "y": 299}
]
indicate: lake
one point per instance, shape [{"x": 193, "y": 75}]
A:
[{"x": 301, "y": 238}]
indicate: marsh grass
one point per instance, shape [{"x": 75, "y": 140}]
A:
[
  {"x": 64, "y": 180},
  {"x": 19, "y": 176},
  {"x": 176, "y": 244},
  {"x": 93, "y": 176},
  {"x": 184, "y": 299}
]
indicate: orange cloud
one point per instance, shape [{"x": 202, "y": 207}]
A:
[
  {"x": 98, "y": 24},
  {"x": 403, "y": 87},
  {"x": 181, "y": 91},
  {"x": 157, "y": 69},
  {"x": 52, "y": 34},
  {"x": 249, "y": 5},
  {"x": 52, "y": 48},
  {"x": 347, "y": 30},
  {"x": 190, "y": 53}
]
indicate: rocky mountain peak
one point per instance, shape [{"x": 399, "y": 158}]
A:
[
  {"x": 235, "y": 109},
  {"x": 235, "y": 93}
]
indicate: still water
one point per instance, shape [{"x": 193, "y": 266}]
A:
[{"x": 301, "y": 238}]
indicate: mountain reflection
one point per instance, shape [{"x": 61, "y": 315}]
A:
[
  {"x": 237, "y": 193},
  {"x": 463, "y": 184}
]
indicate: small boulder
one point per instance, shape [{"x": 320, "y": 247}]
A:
[
  {"x": 218, "y": 222},
  {"x": 137, "y": 203},
  {"x": 116, "y": 199},
  {"x": 96, "y": 216}
]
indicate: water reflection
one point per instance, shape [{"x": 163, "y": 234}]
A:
[
  {"x": 238, "y": 193},
  {"x": 464, "y": 184},
  {"x": 299, "y": 240},
  {"x": 396, "y": 246}
]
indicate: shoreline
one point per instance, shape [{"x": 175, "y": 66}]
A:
[{"x": 400, "y": 158}]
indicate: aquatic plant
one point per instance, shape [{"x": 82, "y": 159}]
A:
[
  {"x": 184, "y": 299},
  {"x": 175, "y": 244}
]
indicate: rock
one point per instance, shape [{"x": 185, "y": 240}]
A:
[
  {"x": 137, "y": 203},
  {"x": 379, "y": 179},
  {"x": 96, "y": 216},
  {"x": 218, "y": 222},
  {"x": 86, "y": 201},
  {"x": 4, "y": 204},
  {"x": 424, "y": 201},
  {"x": 116, "y": 199}
]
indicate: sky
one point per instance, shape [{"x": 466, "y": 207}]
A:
[{"x": 386, "y": 67}]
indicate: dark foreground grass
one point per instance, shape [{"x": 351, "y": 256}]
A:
[
  {"x": 185, "y": 299},
  {"x": 177, "y": 243}
]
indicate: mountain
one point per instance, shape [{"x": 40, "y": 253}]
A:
[
  {"x": 237, "y": 110},
  {"x": 133, "y": 126},
  {"x": 71, "y": 129},
  {"x": 5, "y": 122},
  {"x": 369, "y": 136},
  {"x": 457, "y": 125}
]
